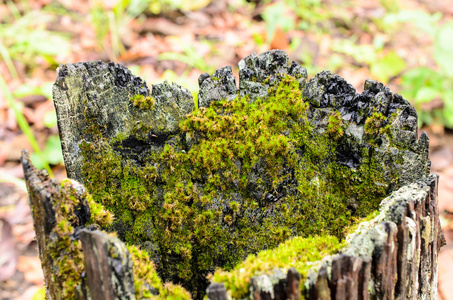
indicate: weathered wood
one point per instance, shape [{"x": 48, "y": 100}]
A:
[
  {"x": 217, "y": 291},
  {"x": 293, "y": 284},
  {"x": 108, "y": 266},
  {"x": 98, "y": 92},
  {"x": 395, "y": 254},
  {"x": 43, "y": 195},
  {"x": 280, "y": 289},
  {"x": 384, "y": 262},
  {"x": 103, "y": 258},
  {"x": 262, "y": 288},
  {"x": 321, "y": 289},
  {"x": 364, "y": 278},
  {"x": 347, "y": 268}
]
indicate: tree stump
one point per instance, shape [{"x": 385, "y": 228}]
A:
[{"x": 335, "y": 182}]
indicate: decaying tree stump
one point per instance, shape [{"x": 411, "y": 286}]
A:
[
  {"x": 253, "y": 167},
  {"x": 105, "y": 265}
]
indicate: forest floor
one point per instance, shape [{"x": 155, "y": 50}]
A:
[{"x": 179, "y": 46}]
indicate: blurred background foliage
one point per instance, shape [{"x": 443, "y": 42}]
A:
[{"x": 405, "y": 44}]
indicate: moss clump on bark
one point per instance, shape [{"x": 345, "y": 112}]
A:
[
  {"x": 64, "y": 250},
  {"x": 143, "y": 102},
  {"x": 241, "y": 176},
  {"x": 147, "y": 282}
]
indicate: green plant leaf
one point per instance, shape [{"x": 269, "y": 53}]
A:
[
  {"x": 424, "y": 118},
  {"x": 53, "y": 150},
  {"x": 443, "y": 48},
  {"x": 50, "y": 119},
  {"x": 448, "y": 108},
  {"x": 426, "y": 94},
  {"x": 27, "y": 90},
  {"x": 274, "y": 16},
  {"x": 388, "y": 66},
  {"x": 361, "y": 53},
  {"x": 421, "y": 20},
  {"x": 54, "y": 44},
  {"x": 416, "y": 78},
  {"x": 52, "y": 153},
  {"x": 189, "y": 57}
]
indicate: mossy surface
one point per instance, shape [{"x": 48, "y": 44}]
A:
[
  {"x": 240, "y": 177},
  {"x": 67, "y": 257},
  {"x": 296, "y": 252},
  {"x": 64, "y": 249},
  {"x": 73, "y": 208},
  {"x": 143, "y": 102},
  {"x": 147, "y": 282}
]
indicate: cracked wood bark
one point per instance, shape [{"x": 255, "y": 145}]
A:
[{"x": 108, "y": 266}]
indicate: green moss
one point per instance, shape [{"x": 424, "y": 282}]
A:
[
  {"x": 99, "y": 215},
  {"x": 355, "y": 225},
  {"x": 143, "y": 102},
  {"x": 297, "y": 252},
  {"x": 198, "y": 199},
  {"x": 374, "y": 124},
  {"x": 335, "y": 126},
  {"x": 66, "y": 253},
  {"x": 147, "y": 283}
]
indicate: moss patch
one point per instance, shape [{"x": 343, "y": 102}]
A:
[
  {"x": 242, "y": 176},
  {"x": 67, "y": 255},
  {"x": 147, "y": 283},
  {"x": 296, "y": 252},
  {"x": 65, "y": 251},
  {"x": 374, "y": 124},
  {"x": 143, "y": 102},
  {"x": 99, "y": 215}
]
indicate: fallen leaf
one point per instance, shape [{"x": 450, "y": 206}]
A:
[
  {"x": 279, "y": 40},
  {"x": 31, "y": 267},
  {"x": 3, "y": 153},
  {"x": 21, "y": 213},
  {"x": 30, "y": 293},
  {"x": 445, "y": 273},
  {"x": 15, "y": 147},
  {"x": 162, "y": 26},
  {"x": 441, "y": 158},
  {"x": 8, "y": 254},
  {"x": 11, "y": 122},
  {"x": 24, "y": 233},
  {"x": 29, "y": 115},
  {"x": 445, "y": 192}
]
